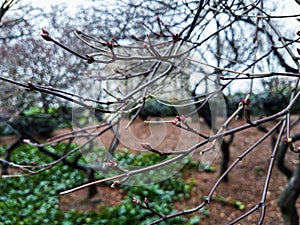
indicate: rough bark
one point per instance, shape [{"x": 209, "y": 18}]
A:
[{"x": 288, "y": 198}]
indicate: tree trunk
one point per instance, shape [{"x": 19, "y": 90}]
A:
[
  {"x": 205, "y": 113},
  {"x": 92, "y": 191},
  {"x": 288, "y": 198},
  {"x": 225, "y": 159}
]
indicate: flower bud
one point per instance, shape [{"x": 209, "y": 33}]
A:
[
  {"x": 44, "y": 31},
  {"x": 288, "y": 140},
  {"x": 246, "y": 101},
  {"x": 115, "y": 184},
  {"x": 175, "y": 37},
  {"x": 111, "y": 163},
  {"x": 45, "y": 34},
  {"x": 182, "y": 118},
  {"x": 135, "y": 37},
  {"x": 146, "y": 146},
  {"x": 135, "y": 200},
  {"x": 90, "y": 59},
  {"x": 146, "y": 200},
  {"x": 78, "y": 32},
  {"x": 176, "y": 122},
  {"x": 109, "y": 45}
]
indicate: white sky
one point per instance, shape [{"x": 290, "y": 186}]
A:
[
  {"x": 292, "y": 6},
  {"x": 47, "y": 4},
  {"x": 286, "y": 7},
  {"x": 71, "y": 3}
]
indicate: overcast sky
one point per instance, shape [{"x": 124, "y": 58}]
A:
[
  {"x": 292, "y": 6},
  {"x": 286, "y": 7},
  {"x": 73, "y": 4}
]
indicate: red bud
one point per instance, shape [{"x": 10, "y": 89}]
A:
[
  {"x": 115, "y": 184},
  {"x": 109, "y": 45},
  {"x": 111, "y": 163},
  {"x": 182, "y": 118},
  {"x": 175, "y": 37},
  {"x": 45, "y": 34},
  {"x": 176, "y": 121},
  {"x": 135, "y": 200},
  {"x": 90, "y": 59},
  {"x": 245, "y": 101},
  {"x": 44, "y": 31}
]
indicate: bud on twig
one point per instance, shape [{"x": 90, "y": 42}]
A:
[
  {"x": 146, "y": 146},
  {"x": 115, "y": 184},
  {"x": 135, "y": 37},
  {"x": 30, "y": 85},
  {"x": 246, "y": 101},
  {"x": 78, "y": 31},
  {"x": 135, "y": 200},
  {"x": 45, "y": 34},
  {"x": 176, "y": 121},
  {"x": 175, "y": 37},
  {"x": 111, "y": 163},
  {"x": 44, "y": 31},
  {"x": 289, "y": 142},
  {"x": 90, "y": 59},
  {"x": 110, "y": 45},
  {"x": 246, "y": 105},
  {"x": 182, "y": 119},
  {"x": 146, "y": 202}
]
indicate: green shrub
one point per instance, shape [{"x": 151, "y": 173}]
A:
[
  {"x": 153, "y": 108},
  {"x": 37, "y": 121},
  {"x": 34, "y": 199},
  {"x": 263, "y": 104}
]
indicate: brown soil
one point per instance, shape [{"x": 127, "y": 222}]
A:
[
  {"x": 246, "y": 180},
  {"x": 81, "y": 202}
]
